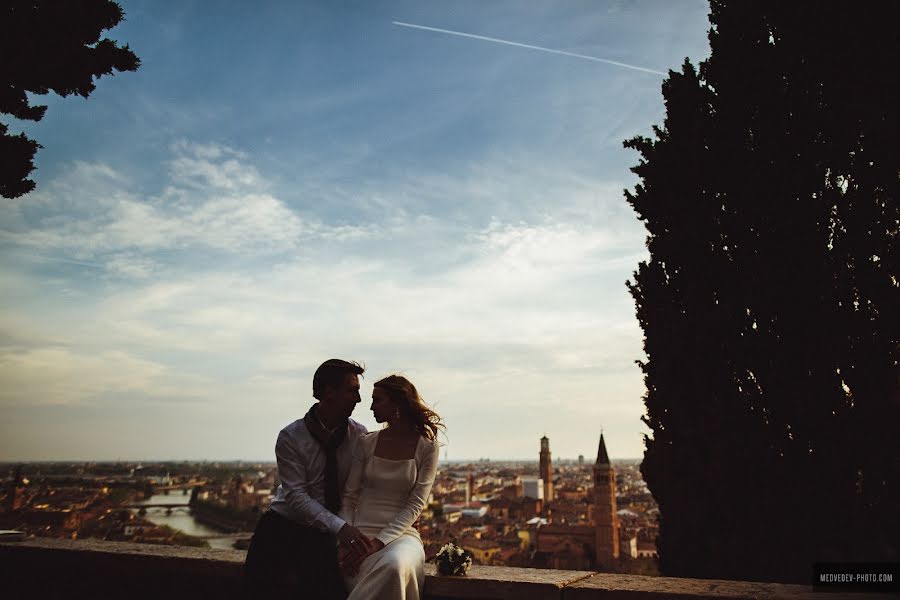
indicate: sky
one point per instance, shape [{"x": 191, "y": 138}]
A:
[{"x": 429, "y": 188}]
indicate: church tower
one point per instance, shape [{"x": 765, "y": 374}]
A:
[
  {"x": 546, "y": 469},
  {"x": 606, "y": 522}
]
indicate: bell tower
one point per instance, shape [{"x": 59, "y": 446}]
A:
[
  {"x": 606, "y": 522},
  {"x": 546, "y": 468}
]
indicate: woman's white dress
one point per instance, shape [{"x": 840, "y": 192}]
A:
[{"x": 383, "y": 498}]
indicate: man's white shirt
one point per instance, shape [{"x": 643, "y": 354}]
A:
[{"x": 301, "y": 469}]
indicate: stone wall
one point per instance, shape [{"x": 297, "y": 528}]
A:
[{"x": 51, "y": 568}]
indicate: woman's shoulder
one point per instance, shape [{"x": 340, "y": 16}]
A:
[
  {"x": 427, "y": 445},
  {"x": 430, "y": 441}
]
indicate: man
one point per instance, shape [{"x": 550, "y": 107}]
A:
[{"x": 293, "y": 549}]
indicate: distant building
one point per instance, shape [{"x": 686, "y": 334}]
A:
[
  {"x": 646, "y": 550},
  {"x": 512, "y": 491},
  {"x": 499, "y": 508},
  {"x": 524, "y": 539},
  {"x": 546, "y": 469},
  {"x": 565, "y": 547},
  {"x": 629, "y": 545},
  {"x": 244, "y": 496},
  {"x": 15, "y": 492},
  {"x": 469, "y": 511},
  {"x": 452, "y": 516},
  {"x": 606, "y": 521},
  {"x": 533, "y": 488},
  {"x": 581, "y": 459},
  {"x": 484, "y": 552},
  {"x": 572, "y": 495}
]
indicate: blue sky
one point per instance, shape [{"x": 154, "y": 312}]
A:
[{"x": 283, "y": 183}]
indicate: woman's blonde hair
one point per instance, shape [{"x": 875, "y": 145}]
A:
[{"x": 403, "y": 393}]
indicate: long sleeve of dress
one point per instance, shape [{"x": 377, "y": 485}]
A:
[
  {"x": 292, "y": 472},
  {"x": 418, "y": 496},
  {"x": 354, "y": 485}
]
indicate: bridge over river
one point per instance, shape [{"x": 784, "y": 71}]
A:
[
  {"x": 184, "y": 488},
  {"x": 143, "y": 509}
]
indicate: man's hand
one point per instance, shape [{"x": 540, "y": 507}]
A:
[
  {"x": 353, "y": 540},
  {"x": 349, "y": 561}
]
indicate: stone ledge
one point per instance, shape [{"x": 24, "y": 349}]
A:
[
  {"x": 46, "y": 567},
  {"x": 501, "y": 583},
  {"x": 636, "y": 587},
  {"x": 128, "y": 557}
]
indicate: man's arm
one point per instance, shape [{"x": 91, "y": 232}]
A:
[
  {"x": 353, "y": 487},
  {"x": 292, "y": 472}
]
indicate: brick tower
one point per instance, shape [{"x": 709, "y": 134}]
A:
[
  {"x": 606, "y": 522},
  {"x": 546, "y": 469}
]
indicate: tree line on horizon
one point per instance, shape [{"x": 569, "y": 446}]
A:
[{"x": 770, "y": 303}]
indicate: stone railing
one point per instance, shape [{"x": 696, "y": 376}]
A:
[{"x": 52, "y": 568}]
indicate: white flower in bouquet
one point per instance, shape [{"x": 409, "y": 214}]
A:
[{"x": 452, "y": 559}]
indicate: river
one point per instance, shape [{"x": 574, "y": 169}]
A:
[{"x": 185, "y": 522}]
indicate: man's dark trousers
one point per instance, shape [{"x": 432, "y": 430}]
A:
[{"x": 286, "y": 557}]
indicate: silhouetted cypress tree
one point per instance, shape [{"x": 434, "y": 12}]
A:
[
  {"x": 50, "y": 45},
  {"x": 770, "y": 304}
]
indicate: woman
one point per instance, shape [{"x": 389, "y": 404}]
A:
[{"x": 388, "y": 486}]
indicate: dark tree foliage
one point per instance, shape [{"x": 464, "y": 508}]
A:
[
  {"x": 50, "y": 45},
  {"x": 770, "y": 304}
]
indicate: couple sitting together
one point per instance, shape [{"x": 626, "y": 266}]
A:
[{"x": 342, "y": 519}]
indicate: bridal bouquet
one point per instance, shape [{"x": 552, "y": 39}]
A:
[{"x": 452, "y": 559}]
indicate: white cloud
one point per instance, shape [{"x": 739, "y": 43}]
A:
[
  {"x": 219, "y": 291},
  {"x": 57, "y": 375},
  {"x": 132, "y": 266},
  {"x": 213, "y": 201},
  {"x": 210, "y": 166}
]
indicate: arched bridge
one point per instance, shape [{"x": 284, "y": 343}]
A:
[{"x": 169, "y": 508}]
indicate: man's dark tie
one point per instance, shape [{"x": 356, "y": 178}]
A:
[{"x": 329, "y": 441}]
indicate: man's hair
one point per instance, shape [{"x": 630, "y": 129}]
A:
[{"x": 332, "y": 373}]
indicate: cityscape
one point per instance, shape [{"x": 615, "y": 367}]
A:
[{"x": 586, "y": 514}]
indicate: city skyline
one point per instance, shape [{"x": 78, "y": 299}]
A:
[
  {"x": 429, "y": 189},
  {"x": 586, "y": 458}
]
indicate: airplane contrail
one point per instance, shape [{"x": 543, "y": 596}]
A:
[
  {"x": 60, "y": 260},
  {"x": 529, "y": 46}
]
